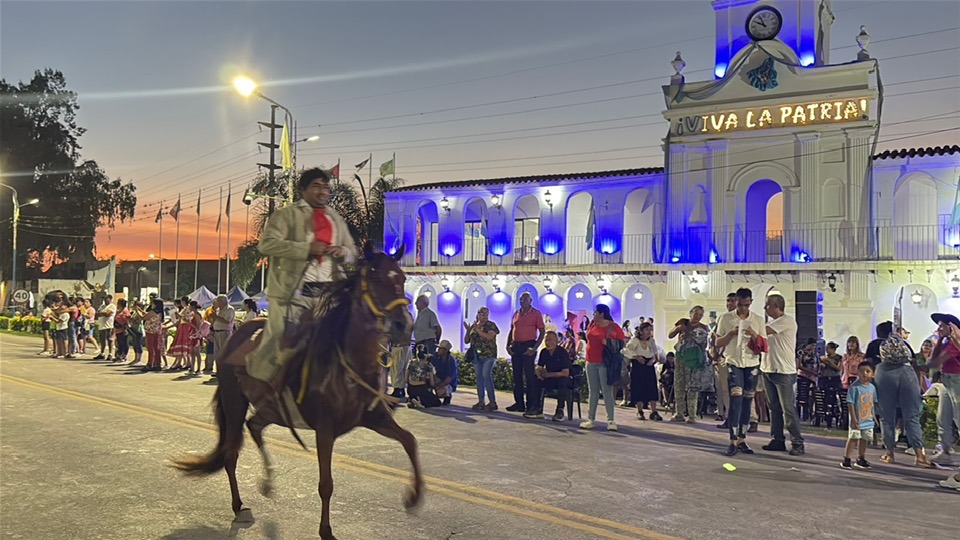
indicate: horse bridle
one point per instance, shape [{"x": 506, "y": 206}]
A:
[{"x": 380, "y": 313}]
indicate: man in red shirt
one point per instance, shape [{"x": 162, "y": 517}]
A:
[{"x": 526, "y": 334}]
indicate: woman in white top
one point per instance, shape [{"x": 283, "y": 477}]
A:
[{"x": 643, "y": 353}]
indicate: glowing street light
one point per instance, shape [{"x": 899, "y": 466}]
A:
[{"x": 244, "y": 85}]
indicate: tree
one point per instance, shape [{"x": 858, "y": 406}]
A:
[
  {"x": 39, "y": 153},
  {"x": 244, "y": 269}
]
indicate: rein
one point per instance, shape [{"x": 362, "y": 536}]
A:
[{"x": 381, "y": 314}]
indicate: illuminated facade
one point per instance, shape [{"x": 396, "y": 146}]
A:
[{"x": 771, "y": 181}]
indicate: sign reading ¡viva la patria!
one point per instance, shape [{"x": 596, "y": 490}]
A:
[{"x": 805, "y": 114}]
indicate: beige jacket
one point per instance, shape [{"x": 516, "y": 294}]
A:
[{"x": 285, "y": 241}]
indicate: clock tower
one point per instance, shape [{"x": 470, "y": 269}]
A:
[{"x": 803, "y": 26}]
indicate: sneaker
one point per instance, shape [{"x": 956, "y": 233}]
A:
[
  {"x": 586, "y": 424},
  {"x": 533, "y": 414},
  {"x": 492, "y": 406},
  {"x": 478, "y": 406},
  {"x": 731, "y": 450},
  {"x": 516, "y": 407},
  {"x": 723, "y": 426},
  {"x": 655, "y": 416},
  {"x": 447, "y": 400},
  {"x": 797, "y": 450},
  {"x": 611, "y": 426},
  {"x": 744, "y": 448},
  {"x": 862, "y": 463},
  {"x": 775, "y": 446},
  {"x": 97, "y": 357},
  {"x": 752, "y": 428},
  {"x": 640, "y": 416},
  {"x": 950, "y": 483},
  {"x": 845, "y": 464},
  {"x": 557, "y": 416}
]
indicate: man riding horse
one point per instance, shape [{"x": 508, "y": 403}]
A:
[{"x": 308, "y": 244}]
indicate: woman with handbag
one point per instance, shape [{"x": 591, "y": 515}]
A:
[
  {"x": 482, "y": 338},
  {"x": 644, "y": 355},
  {"x": 600, "y": 335},
  {"x": 691, "y": 362}
]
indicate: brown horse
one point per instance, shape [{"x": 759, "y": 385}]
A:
[{"x": 334, "y": 376}]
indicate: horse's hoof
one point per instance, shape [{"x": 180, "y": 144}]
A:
[
  {"x": 266, "y": 488},
  {"x": 411, "y": 499},
  {"x": 244, "y": 515}
]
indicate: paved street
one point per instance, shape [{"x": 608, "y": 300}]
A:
[{"x": 85, "y": 447}]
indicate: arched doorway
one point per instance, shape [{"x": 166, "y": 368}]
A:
[
  {"x": 916, "y": 234},
  {"x": 579, "y": 306},
  {"x": 638, "y": 227},
  {"x": 554, "y": 316},
  {"x": 763, "y": 223},
  {"x": 428, "y": 227},
  {"x": 475, "y": 232},
  {"x": 611, "y": 302},
  {"x": 580, "y": 242},
  {"x": 526, "y": 231}
]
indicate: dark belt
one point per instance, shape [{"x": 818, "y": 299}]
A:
[{"x": 311, "y": 289}]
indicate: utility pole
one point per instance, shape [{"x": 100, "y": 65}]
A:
[{"x": 272, "y": 146}]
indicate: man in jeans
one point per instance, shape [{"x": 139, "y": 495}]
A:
[
  {"x": 946, "y": 357},
  {"x": 779, "y": 369},
  {"x": 526, "y": 334},
  {"x": 737, "y": 333},
  {"x": 723, "y": 391}
]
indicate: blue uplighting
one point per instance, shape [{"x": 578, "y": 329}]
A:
[{"x": 720, "y": 70}]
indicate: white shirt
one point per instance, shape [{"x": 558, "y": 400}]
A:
[
  {"x": 737, "y": 352},
  {"x": 635, "y": 349},
  {"x": 782, "y": 355},
  {"x": 227, "y": 313},
  {"x": 63, "y": 320},
  {"x": 105, "y": 322}
]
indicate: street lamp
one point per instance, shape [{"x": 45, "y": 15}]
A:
[
  {"x": 246, "y": 86},
  {"x": 16, "y": 221},
  {"x": 139, "y": 288}
]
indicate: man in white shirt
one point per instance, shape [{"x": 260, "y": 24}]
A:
[
  {"x": 741, "y": 356},
  {"x": 779, "y": 369},
  {"x": 426, "y": 328},
  {"x": 222, "y": 328},
  {"x": 105, "y": 316}
]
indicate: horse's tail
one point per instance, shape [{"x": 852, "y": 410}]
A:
[{"x": 216, "y": 459}]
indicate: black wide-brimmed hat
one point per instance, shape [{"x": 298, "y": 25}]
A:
[{"x": 945, "y": 317}]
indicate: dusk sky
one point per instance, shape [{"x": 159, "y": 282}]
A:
[{"x": 152, "y": 80}]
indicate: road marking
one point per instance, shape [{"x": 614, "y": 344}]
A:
[{"x": 558, "y": 516}]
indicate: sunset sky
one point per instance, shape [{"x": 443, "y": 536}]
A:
[{"x": 418, "y": 79}]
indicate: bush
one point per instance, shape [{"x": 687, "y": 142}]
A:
[{"x": 29, "y": 325}]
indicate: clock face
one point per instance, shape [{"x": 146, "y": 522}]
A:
[{"x": 764, "y": 23}]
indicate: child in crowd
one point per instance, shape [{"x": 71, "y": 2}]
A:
[{"x": 861, "y": 401}]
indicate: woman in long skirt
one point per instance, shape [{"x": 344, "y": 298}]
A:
[{"x": 644, "y": 355}]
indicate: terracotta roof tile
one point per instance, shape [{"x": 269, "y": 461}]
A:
[
  {"x": 537, "y": 178},
  {"x": 915, "y": 152}
]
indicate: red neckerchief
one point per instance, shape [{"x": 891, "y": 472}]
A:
[{"x": 322, "y": 229}]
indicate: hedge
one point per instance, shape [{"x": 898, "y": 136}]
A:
[{"x": 30, "y": 325}]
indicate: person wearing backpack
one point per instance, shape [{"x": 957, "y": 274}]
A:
[
  {"x": 898, "y": 386},
  {"x": 601, "y": 334}
]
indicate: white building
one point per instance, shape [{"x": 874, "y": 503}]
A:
[{"x": 772, "y": 182}]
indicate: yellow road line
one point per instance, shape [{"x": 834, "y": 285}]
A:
[{"x": 464, "y": 492}]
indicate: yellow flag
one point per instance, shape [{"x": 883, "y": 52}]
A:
[{"x": 286, "y": 151}]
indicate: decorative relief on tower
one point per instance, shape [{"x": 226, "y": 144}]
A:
[{"x": 763, "y": 77}]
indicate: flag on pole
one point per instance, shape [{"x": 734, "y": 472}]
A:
[
  {"x": 362, "y": 164},
  {"x": 198, "y": 201},
  {"x": 955, "y": 215},
  {"x": 286, "y": 151},
  {"x": 175, "y": 211},
  {"x": 159, "y": 214},
  {"x": 591, "y": 226},
  {"x": 227, "y": 211},
  {"x": 220, "y": 216},
  {"x": 335, "y": 171},
  {"x": 386, "y": 168}
]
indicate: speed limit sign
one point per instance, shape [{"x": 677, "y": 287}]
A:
[{"x": 21, "y": 296}]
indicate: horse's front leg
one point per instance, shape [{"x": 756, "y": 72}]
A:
[
  {"x": 325, "y": 457},
  {"x": 383, "y": 423}
]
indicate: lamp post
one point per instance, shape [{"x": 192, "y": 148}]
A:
[
  {"x": 246, "y": 86},
  {"x": 139, "y": 288},
  {"x": 16, "y": 220}
]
